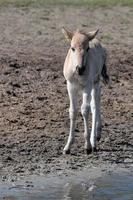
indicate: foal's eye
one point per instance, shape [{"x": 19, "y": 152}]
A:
[
  {"x": 87, "y": 49},
  {"x": 73, "y": 49}
]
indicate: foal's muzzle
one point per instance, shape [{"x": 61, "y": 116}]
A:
[{"x": 80, "y": 70}]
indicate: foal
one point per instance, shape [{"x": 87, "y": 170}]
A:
[{"x": 83, "y": 67}]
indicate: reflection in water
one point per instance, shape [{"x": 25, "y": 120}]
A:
[
  {"x": 117, "y": 187},
  {"x": 79, "y": 191},
  {"x": 113, "y": 187}
]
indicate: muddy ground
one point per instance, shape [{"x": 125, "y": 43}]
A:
[{"x": 34, "y": 121}]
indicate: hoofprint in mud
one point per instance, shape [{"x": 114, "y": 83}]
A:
[{"x": 84, "y": 65}]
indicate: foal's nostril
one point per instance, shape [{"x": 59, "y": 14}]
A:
[
  {"x": 80, "y": 70},
  {"x": 77, "y": 68}
]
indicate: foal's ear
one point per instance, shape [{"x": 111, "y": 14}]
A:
[
  {"x": 92, "y": 34},
  {"x": 68, "y": 35}
]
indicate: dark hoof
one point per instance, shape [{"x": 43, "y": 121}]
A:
[
  {"x": 66, "y": 151},
  {"x": 88, "y": 151},
  {"x": 94, "y": 149},
  {"x": 98, "y": 139}
]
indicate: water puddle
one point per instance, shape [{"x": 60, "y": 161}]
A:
[{"x": 109, "y": 187}]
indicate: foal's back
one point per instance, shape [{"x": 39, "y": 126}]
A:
[{"x": 96, "y": 58}]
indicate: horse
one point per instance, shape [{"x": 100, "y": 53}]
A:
[{"x": 84, "y": 66}]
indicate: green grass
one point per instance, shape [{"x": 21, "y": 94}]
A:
[{"x": 90, "y": 3}]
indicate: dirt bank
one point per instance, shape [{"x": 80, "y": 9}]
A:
[{"x": 34, "y": 104}]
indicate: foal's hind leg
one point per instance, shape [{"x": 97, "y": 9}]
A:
[
  {"x": 72, "y": 91},
  {"x": 96, "y": 117}
]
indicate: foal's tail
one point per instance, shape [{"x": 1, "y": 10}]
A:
[{"x": 105, "y": 76}]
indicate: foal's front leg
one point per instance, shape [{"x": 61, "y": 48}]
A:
[
  {"x": 72, "y": 91},
  {"x": 85, "y": 113}
]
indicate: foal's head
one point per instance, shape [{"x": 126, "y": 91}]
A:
[{"x": 79, "y": 47}]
